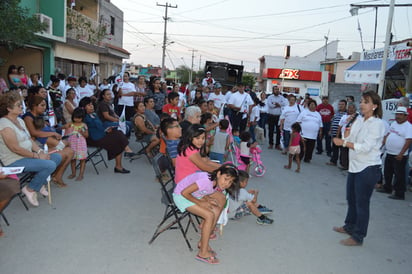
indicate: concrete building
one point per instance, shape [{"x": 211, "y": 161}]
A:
[
  {"x": 38, "y": 56},
  {"x": 298, "y": 75}
]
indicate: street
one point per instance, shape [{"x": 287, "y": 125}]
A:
[{"x": 103, "y": 225}]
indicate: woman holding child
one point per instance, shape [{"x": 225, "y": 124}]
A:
[
  {"x": 18, "y": 149},
  {"x": 44, "y": 134},
  {"x": 111, "y": 139}
]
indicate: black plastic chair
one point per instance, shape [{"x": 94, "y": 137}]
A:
[
  {"x": 97, "y": 153},
  {"x": 172, "y": 217}
]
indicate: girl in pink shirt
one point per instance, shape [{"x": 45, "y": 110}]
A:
[
  {"x": 192, "y": 153},
  {"x": 200, "y": 193},
  {"x": 294, "y": 146}
]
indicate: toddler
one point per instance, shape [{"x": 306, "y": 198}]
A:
[
  {"x": 246, "y": 203},
  {"x": 294, "y": 146}
]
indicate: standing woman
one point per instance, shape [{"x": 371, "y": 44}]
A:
[
  {"x": 13, "y": 77},
  {"x": 364, "y": 139},
  {"x": 263, "y": 112},
  {"x": 69, "y": 105},
  {"x": 140, "y": 88},
  {"x": 159, "y": 97},
  {"x": 311, "y": 123},
  {"x": 126, "y": 97},
  {"x": 18, "y": 149},
  {"x": 23, "y": 76}
]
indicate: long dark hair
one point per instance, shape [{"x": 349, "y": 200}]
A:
[
  {"x": 193, "y": 131},
  {"x": 232, "y": 171},
  {"x": 376, "y": 100}
]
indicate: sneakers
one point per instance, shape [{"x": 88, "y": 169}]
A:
[
  {"x": 264, "y": 210},
  {"x": 264, "y": 221},
  {"x": 43, "y": 191},
  {"x": 31, "y": 196}
]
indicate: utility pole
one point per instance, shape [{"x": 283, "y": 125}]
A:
[
  {"x": 200, "y": 61},
  {"x": 167, "y": 5},
  {"x": 386, "y": 49},
  {"x": 191, "y": 69}
]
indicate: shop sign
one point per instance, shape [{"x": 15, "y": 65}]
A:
[{"x": 289, "y": 74}]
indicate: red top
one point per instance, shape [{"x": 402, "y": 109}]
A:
[
  {"x": 326, "y": 111},
  {"x": 173, "y": 111},
  {"x": 410, "y": 115}
]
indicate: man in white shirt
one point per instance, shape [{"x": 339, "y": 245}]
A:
[
  {"x": 217, "y": 96},
  {"x": 240, "y": 104},
  {"x": 275, "y": 104},
  {"x": 397, "y": 143},
  {"x": 83, "y": 88},
  {"x": 208, "y": 81},
  {"x": 288, "y": 117}
]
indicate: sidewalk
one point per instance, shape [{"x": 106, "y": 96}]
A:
[{"x": 103, "y": 225}]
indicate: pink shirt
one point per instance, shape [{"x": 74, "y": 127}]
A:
[
  {"x": 296, "y": 140},
  {"x": 184, "y": 166}
]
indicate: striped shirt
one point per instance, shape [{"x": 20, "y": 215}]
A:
[{"x": 335, "y": 123}]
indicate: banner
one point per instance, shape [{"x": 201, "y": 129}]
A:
[{"x": 122, "y": 121}]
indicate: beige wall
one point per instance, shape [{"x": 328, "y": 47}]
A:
[
  {"x": 30, "y": 58},
  {"x": 67, "y": 52},
  {"x": 340, "y": 70}
]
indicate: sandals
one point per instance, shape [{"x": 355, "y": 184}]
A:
[
  {"x": 208, "y": 260},
  {"x": 209, "y": 250},
  {"x": 340, "y": 229}
]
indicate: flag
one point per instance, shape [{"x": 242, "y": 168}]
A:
[
  {"x": 119, "y": 78},
  {"x": 122, "y": 120},
  {"x": 223, "y": 218},
  {"x": 73, "y": 3},
  {"x": 52, "y": 117},
  {"x": 93, "y": 73},
  {"x": 23, "y": 105}
]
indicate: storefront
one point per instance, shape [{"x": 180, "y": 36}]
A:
[
  {"x": 298, "y": 82},
  {"x": 368, "y": 69}
]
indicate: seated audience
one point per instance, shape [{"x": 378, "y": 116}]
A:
[
  {"x": 144, "y": 129},
  {"x": 172, "y": 133},
  {"x": 18, "y": 149}
]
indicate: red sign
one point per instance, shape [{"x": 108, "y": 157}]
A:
[
  {"x": 295, "y": 74},
  {"x": 289, "y": 74}
]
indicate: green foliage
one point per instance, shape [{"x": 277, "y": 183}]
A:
[
  {"x": 248, "y": 80},
  {"x": 17, "y": 26}
]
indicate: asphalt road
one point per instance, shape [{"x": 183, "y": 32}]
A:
[{"x": 103, "y": 225}]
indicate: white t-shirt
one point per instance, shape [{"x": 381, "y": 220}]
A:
[
  {"x": 243, "y": 196},
  {"x": 398, "y": 133},
  {"x": 264, "y": 109},
  {"x": 290, "y": 114},
  {"x": 310, "y": 121},
  {"x": 255, "y": 113},
  {"x": 127, "y": 100},
  {"x": 237, "y": 99},
  {"x": 218, "y": 100},
  {"x": 85, "y": 92}
]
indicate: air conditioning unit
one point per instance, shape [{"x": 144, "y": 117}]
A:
[{"x": 48, "y": 21}]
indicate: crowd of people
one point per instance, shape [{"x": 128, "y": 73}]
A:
[{"x": 46, "y": 128}]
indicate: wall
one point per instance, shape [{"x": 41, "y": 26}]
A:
[
  {"x": 340, "y": 70},
  {"x": 30, "y": 58},
  {"x": 57, "y": 11},
  {"x": 338, "y": 91},
  {"x": 106, "y": 10}
]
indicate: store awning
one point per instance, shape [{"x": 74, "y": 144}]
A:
[{"x": 367, "y": 71}]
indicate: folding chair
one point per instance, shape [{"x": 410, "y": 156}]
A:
[
  {"x": 90, "y": 158},
  {"x": 172, "y": 217}
]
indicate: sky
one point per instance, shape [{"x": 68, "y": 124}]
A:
[{"x": 240, "y": 31}]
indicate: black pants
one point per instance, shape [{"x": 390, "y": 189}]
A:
[
  {"x": 237, "y": 122},
  {"x": 129, "y": 111},
  {"x": 344, "y": 157},
  {"x": 273, "y": 122},
  {"x": 336, "y": 151},
  {"x": 306, "y": 155},
  {"x": 397, "y": 168}
]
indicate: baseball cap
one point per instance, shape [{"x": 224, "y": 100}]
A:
[
  {"x": 401, "y": 110},
  {"x": 218, "y": 85}
]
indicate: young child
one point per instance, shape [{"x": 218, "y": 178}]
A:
[
  {"x": 52, "y": 142},
  {"x": 201, "y": 194},
  {"x": 246, "y": 203},
  {"x": 245, "y": 147},
  {"x": 220, "y": 143},
  {"x": 206, "y": 120},
  {"x": 171, "y": 134},
  {"x": 171, "y": 108},
  {"x": 236, "y": 137},
  {"x": 192, "y": 155},
  {"x": 294, "y": 146},
  {"x": 78, "y": 132},
  {"x": 254, "y": 118}
]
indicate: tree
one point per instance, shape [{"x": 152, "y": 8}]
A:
[
  {"x": 17, "y": 26},
  {"x": 248, "y": 80}
]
